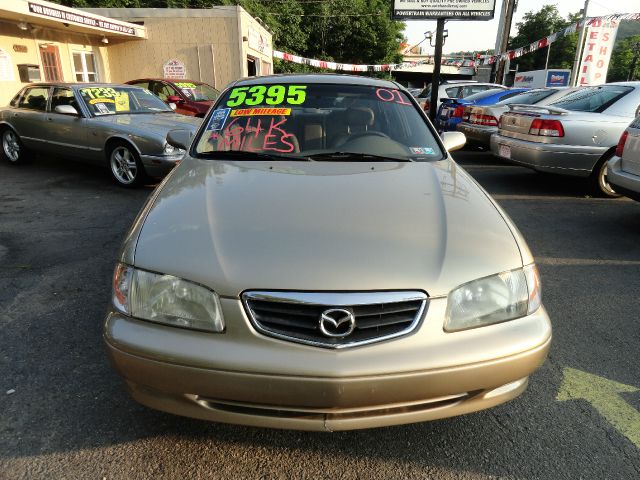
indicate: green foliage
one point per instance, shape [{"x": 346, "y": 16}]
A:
[
  {"x": 622, "y": 60},
  {"x": 536, "y": 25}
]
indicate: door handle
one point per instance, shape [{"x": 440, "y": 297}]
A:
[
  {"x": 50, "y": 119},
  {"x": 15, "y": 115}
]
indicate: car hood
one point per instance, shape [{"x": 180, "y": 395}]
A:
[
  {"x": 160, "y": 122},
  {"x": 235, "y": 226}
]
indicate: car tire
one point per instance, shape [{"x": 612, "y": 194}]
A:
[
  {"x": 12, "y": 149},
  {"x": 125, "y": 165},
  {"x": 598, "y": 180}
]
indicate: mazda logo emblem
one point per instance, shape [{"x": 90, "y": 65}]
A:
[{"x": 337, "y": 322}]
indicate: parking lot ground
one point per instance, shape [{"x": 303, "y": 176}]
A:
[{"x": 65, "y": 414}]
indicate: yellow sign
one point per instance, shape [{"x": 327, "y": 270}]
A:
[
  {"x": 122, "y": 102},
  {"x": 101, "y": 100},
  {"x": 250, "y": 112}
]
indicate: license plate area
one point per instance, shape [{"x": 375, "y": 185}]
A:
[{"x": 505, "y": 151}]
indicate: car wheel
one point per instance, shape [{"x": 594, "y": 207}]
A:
[
  {"x": 599, "y": 183},
  {"x": 13, "y": 151},
  {"x": 126, "y": 168}
]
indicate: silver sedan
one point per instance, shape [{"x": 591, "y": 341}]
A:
[
  {"x": 479, "y": 122},
  {"x": 575, "y": 136},
  {"x": 624, "y": 167},
  {"x": 121, "y": 126}
]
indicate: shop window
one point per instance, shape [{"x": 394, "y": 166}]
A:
[
  {"x": 50, "y": 63},
  {"x": 35, "y": 98},
  {"x": 84, "y": 66}
]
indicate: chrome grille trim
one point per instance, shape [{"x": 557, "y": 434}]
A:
[{"x": 328, "y": 300}]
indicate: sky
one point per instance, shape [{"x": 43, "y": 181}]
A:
[{"x": 481, "y": 35}]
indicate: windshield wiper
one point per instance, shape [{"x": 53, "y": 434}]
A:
[
  {"x": 246, "y": 155},
  {"x": 341, "y": 156}
]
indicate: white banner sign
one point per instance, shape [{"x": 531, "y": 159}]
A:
[
  {"x": 598, "y": 46},
  {"x": 174, "y": 68},
  {"x": 452, "y": 9}
]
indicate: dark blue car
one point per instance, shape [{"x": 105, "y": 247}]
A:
[{"x": 452, "y": 109}]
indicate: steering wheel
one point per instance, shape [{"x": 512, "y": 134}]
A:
[{"x": 367, "y": 134}]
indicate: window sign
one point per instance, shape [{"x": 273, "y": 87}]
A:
[
  {"x": 174, "y": 68},
  {"x": 6, "y": 67},
  {"x": 451, "y": 9}
]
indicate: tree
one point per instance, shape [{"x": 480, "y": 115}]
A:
[
  {"x": 622, "y": 60},
  {"x": 537, "y": 25}
]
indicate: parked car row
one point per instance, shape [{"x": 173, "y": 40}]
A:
[{"x": 576, "y": 135}]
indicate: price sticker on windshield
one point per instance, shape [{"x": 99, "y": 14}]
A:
[
  {"x": 186, "y": 85},
  {"x": 99, "y": 93},
  {"x": 272, "y": 95},
  {"x": 122, "y": 102}
]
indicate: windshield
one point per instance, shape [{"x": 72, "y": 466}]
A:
[
  {"x": 121, "y": 100},
  {"x": 484, "y": 94},
  {"x": 528, "y": 98},
  {"x": 198, "y": 92},
  {"x": 593, "y": 99},
  {"x": 307, "y": 120}
]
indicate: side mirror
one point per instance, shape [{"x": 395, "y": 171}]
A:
[
  {"x": 66, "y": 110},
  {"x": 180, "y": 139},
  {"x": 453, "y": 140},
  {"x": 174, "y": 99}
]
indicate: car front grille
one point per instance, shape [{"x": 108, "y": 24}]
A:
[{"x": 335, "y": 320}]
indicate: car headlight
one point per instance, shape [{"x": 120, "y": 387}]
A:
[
  {"x": 166, "y": 299},
  {"x": 495, "y": 299},
  {"x": 171, "y": 150}
]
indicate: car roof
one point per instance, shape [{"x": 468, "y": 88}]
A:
[
  {"x": 327, "y": 78},
  {"x": 75, "y": 85}
]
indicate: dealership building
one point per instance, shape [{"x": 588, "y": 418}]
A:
[{"x": 43, "y": 41}]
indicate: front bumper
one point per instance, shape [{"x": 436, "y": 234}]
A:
[
  {"x": 477, "y": 134},
  {"x": 623, "y": 182},
  {"x": 243, "y": 377},
  {"x": 159, "y": 165},
  {"x": 575, "y": 160}
]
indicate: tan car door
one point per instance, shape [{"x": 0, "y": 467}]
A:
[{"x": 67, "y": 134}]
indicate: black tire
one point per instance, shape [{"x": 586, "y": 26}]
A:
[
  {"x": 598, "y": 183},
  {"x": 125, "y": 165},
  {"x": 12, "y": 149}
]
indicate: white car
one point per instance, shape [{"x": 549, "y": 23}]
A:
[
  {"x": 624, "y": 168},
  {"x": 454, "y": 89}
]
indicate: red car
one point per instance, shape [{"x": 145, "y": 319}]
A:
[{"x": 190, "y": 97}]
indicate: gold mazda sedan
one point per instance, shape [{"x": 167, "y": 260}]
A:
[{"x": 318, "y": 261}]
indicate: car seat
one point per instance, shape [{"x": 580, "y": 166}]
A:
[{"x": 358, "y": 120}]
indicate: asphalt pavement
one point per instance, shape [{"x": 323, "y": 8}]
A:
[{"x": 65, "y": 414}]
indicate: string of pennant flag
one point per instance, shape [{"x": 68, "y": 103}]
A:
[
  {"x": 546, "y": 41},
  {"x": 480, "y": 59},
  {"x": 345, "y": 67}
]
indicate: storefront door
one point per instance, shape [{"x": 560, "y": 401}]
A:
[{"x": 50, "y": 63}]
